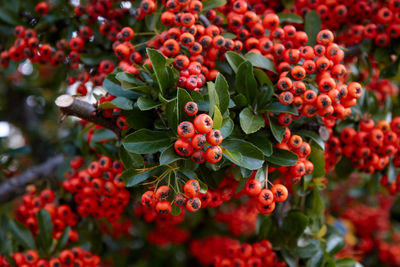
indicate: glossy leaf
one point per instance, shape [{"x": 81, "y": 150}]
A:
[
  {"x": 234, "y": 60},
  {"x": 277, "y": 107},
  {"x": 246, "y": 83},
  {"x": 250, "y": 122},
  {"x": 45, "y": 225},
  {"x": 263, "y": 143},
  {"x": 282, "y": 157},
  {"x": 252, "y": 157},
  {"x": 259, "y": 60},
  {"x": 222, "y": 90},
  {"x": 145, "y": 141},
  {"x": 217, "y": 118},
  {"x": 211, "y": 4},
  {"x": 277, "y": 130},
  {"x": 312, "y": 25},
  {"x": 290, "y": 17},
  {"x": 226, "y": 127},
  {"x": 22, "y": 234},
  {"x": 130, "y": 160}
]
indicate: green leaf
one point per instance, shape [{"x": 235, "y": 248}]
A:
[
  {"x": 175, "y": 210},
  {"x": 290, "y": 17},
  {"x": 130, "y": 160},
  {"x": 262, "y": 78},
  {"x": 145, "y": 103},
  {"x": 318, "y": 159},
  {"x": 234, "y": 59},
  {"x": 312, "y": 26},
  {"x": 390, "y": 71},
  {"x": 334, "y": 244},
  {"x": 22, "y": 234},
  {"x": 213, "y": 98},
  {"x": 217, "y": 118},
  {"x": 172, "y": 112},
  {"x": 229, "y": 35},
  {"x": 12, "y": 5},
  {"x": 119, "y": 102},
  {"x": 113, "y": 86},
  {"x": 182, "y": 98},
  {"x": 133, "y": 177},
  {"x": 344, "y": 168},
  {"x": 10, "y": 17},
  {"x": 145, "y": 141},
  {"x": 263, "y": 143},
  {"x": 277, "y": 130},
  {"x": 265, "y": 227},
  {"x": 252, "y": 157},
  {"x": 346, "y": 262},
  {"x": 316, "y": 205},
  {"x": 282, "y": 157},
  {"x": 45, "y": 225},
  {"x": 259, "y": 60},
  {"x": 169, "y": 155},
  {"x": 277, "y": 107},
  {"x": 317, "y": 260},
  {"x": 235, "y": 157},
  {"x": 102, "y": 134},
  {"x": 246, "y": 83},
  {"x": 222, "y": 90},
  {"x": 211, "y": 4},
  {"x": 158, "y": 61},
  {"x": 226, "y": 127},
  {"x": 250, "y": 122},
  {"x": 129, "y": 78},
  {"x": 240, "y": 100},
  {"x": 315, "y": 137},
  {"x": 294, "y": 224},
  {"x": 62, "y": 241}
]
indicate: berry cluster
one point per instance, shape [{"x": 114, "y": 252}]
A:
[
  {"x": 61, "y": 215},
  {"x": 370, "y": 148},
  {"x": 296, "y": 144},
  {"x": 382, "y": 88},
  {"x": 224, "y": 251},
  {"x": 266, "y": 198},
  {"x": 367, "y": 228},
  {"x": 73, "y": 257},
  {"x": 98, "y": 190},
  {"x": 194, "y": 137},
  {"x": 241, "y": 219},
  {"x": 379, "y": 21},
  {"x": 166, "y": 229},
  {"x": 333, "y": 98}
]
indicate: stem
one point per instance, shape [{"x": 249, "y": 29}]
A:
[
  {"x": 203, "y": 19},
  {"x": 71, "y": 106},
  {"x": 15, "y": 186}
]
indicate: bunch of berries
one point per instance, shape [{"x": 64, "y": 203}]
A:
[
  {"x": 266, "y": 198},
  {"x": 68, "y": 257},
  {"x": 61, "y": 215},
  {"x": 98, "y": 190},
  {"x": 371, "y": 148},
  {"x": 379, "y": 21},
  {"x": 224, "y": 251},
  {"x": 195, "y": 136}
]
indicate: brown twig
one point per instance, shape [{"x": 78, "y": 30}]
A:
[
  {"x": 71, "y": 106},
  {"x": 203, "y": 19},
  {"x": 353, "y": 51},
  {"x": 15, "y": 186}
]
